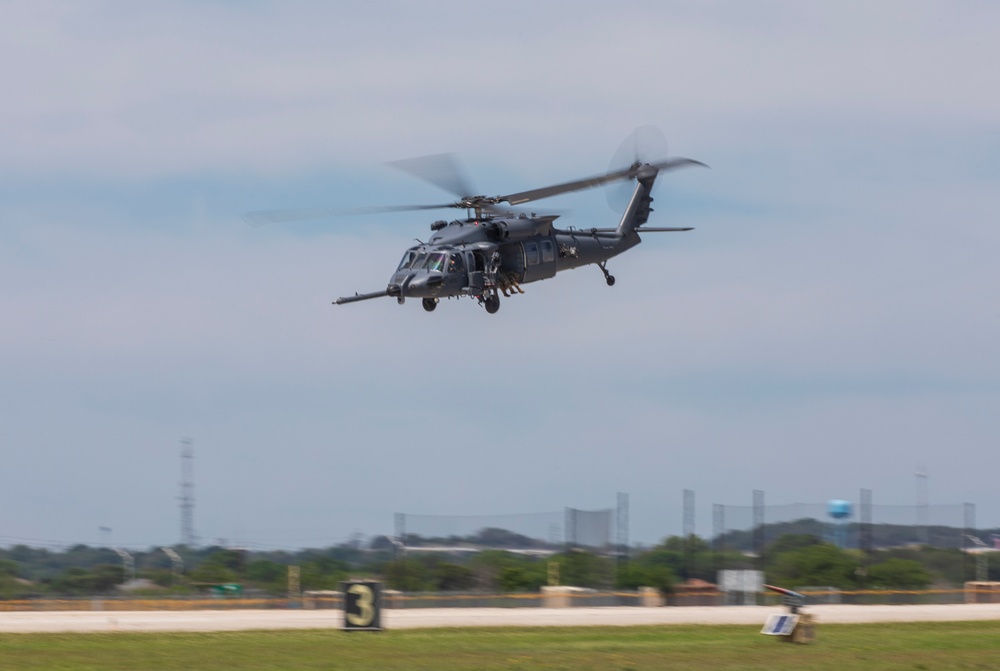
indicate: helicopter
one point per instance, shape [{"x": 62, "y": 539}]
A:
[{"x": 493, "y": 251}]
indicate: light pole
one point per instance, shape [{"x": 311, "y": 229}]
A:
[
  {"x": 128, "y": 564},
  {"x": 176, "y": 563},
  {"x": 981, "y": 558}
]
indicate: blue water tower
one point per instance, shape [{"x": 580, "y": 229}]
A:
[{"x": 840, "y": 511}]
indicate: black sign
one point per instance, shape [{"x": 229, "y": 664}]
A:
[{"x": 362, "y": 605}]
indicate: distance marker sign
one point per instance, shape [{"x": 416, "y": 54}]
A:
[{"x": 362, "y": 605}]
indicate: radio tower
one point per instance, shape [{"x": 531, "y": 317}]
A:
[{"x": 187, "y": 493}]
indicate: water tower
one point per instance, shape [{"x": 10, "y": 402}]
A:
[{"x": 839, "y": 511}]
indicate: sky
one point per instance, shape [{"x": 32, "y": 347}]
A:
[{"x": 830, "y": 325}]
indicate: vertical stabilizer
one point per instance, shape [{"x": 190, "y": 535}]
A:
[{"x": 637, "y": 212}]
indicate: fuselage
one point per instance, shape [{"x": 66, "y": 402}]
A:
[{"x": 465, "y": 257}]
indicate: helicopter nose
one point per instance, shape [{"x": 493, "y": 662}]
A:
[
  {"x": 423, "y": 283},
  {"x": 398, "y": 288}
]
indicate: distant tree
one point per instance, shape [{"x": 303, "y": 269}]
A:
[
  {"x": 683, "y": 544},
  {"x": 449, "y": 577},
  {"x": 585, "y": 569},
  {"x": 76, "y": 581},
  {"x": 407, "y": 574},
  {"x": 10, "y": 585},
  {"x": 267, "y": 574},
  {"x": 947, "y": 565},
  {"x": 216, "y": 570},
  {"x": 528, "y": 574},
  {"x": 822, "y": 564},
  {"x": 898, "y": 574},
  {"x": 488, "y": 567},
  {"x": 323, "y": 572},
  {"x": 789, "y": 542},
  {"x": 381, "y": 543},
  {"x": 635, "y": 574},
  {"x": 690, "y": 557},
  {"x": 493, "y": 537}
]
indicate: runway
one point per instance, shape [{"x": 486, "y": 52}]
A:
[{"x": 428, "y": 618}]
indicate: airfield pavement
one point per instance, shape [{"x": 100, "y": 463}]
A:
[{"x": 426, "y": 618}]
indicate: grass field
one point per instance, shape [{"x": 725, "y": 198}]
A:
[{"x": 882, "y": 647}]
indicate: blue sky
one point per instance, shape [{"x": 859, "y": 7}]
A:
[{"x": 828, "y": 326}]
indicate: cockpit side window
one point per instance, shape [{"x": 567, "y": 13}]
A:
[
  {"x": 455, "y": 264},
  {"x": 408, "y": 258}
]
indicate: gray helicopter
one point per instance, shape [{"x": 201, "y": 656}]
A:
[{"x": 493, "y": 251}]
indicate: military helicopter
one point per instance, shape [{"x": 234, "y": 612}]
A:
[{"x": 493, "y": 251}]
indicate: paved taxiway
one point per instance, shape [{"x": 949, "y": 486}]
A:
[{"x": 422, "y": 618}]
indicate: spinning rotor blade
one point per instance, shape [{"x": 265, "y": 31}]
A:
[
  {"x": 441, "y": 170},
  {"x": 598, "y": 180},
  {"x": 643, "y": 145},
  {"x": 265, "y": 217}
]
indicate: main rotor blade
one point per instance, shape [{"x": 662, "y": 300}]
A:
[
  {"x": 441, "y": 170},
  {"x": 265, "y": 217},
  {"x": 597, "y": 180}
]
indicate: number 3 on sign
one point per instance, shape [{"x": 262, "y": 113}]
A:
[
  {"x": 362, "y": 605},
  {"x": 365, "y": 604}
]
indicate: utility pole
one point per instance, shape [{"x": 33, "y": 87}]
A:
[{"x": 187, "y": 493}]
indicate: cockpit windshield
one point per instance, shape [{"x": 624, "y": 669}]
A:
[
  {"x": 416, "y": 260},
  {"x": 436, "y": 261}
]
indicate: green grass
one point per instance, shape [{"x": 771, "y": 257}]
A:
[{"x": 884, "y": 647}]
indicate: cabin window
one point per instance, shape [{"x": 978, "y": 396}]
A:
[
  {"x": 548, "y": 251},
  {"x": 531, "y": 253}
]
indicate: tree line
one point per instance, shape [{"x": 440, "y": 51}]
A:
[{"x": 792, "y": 560}]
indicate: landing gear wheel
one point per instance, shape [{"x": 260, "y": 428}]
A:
[
  {"x": 429, "y": 304},
  {"x": 608, "y": 277},
  {"x": 492, "y": 304}
]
